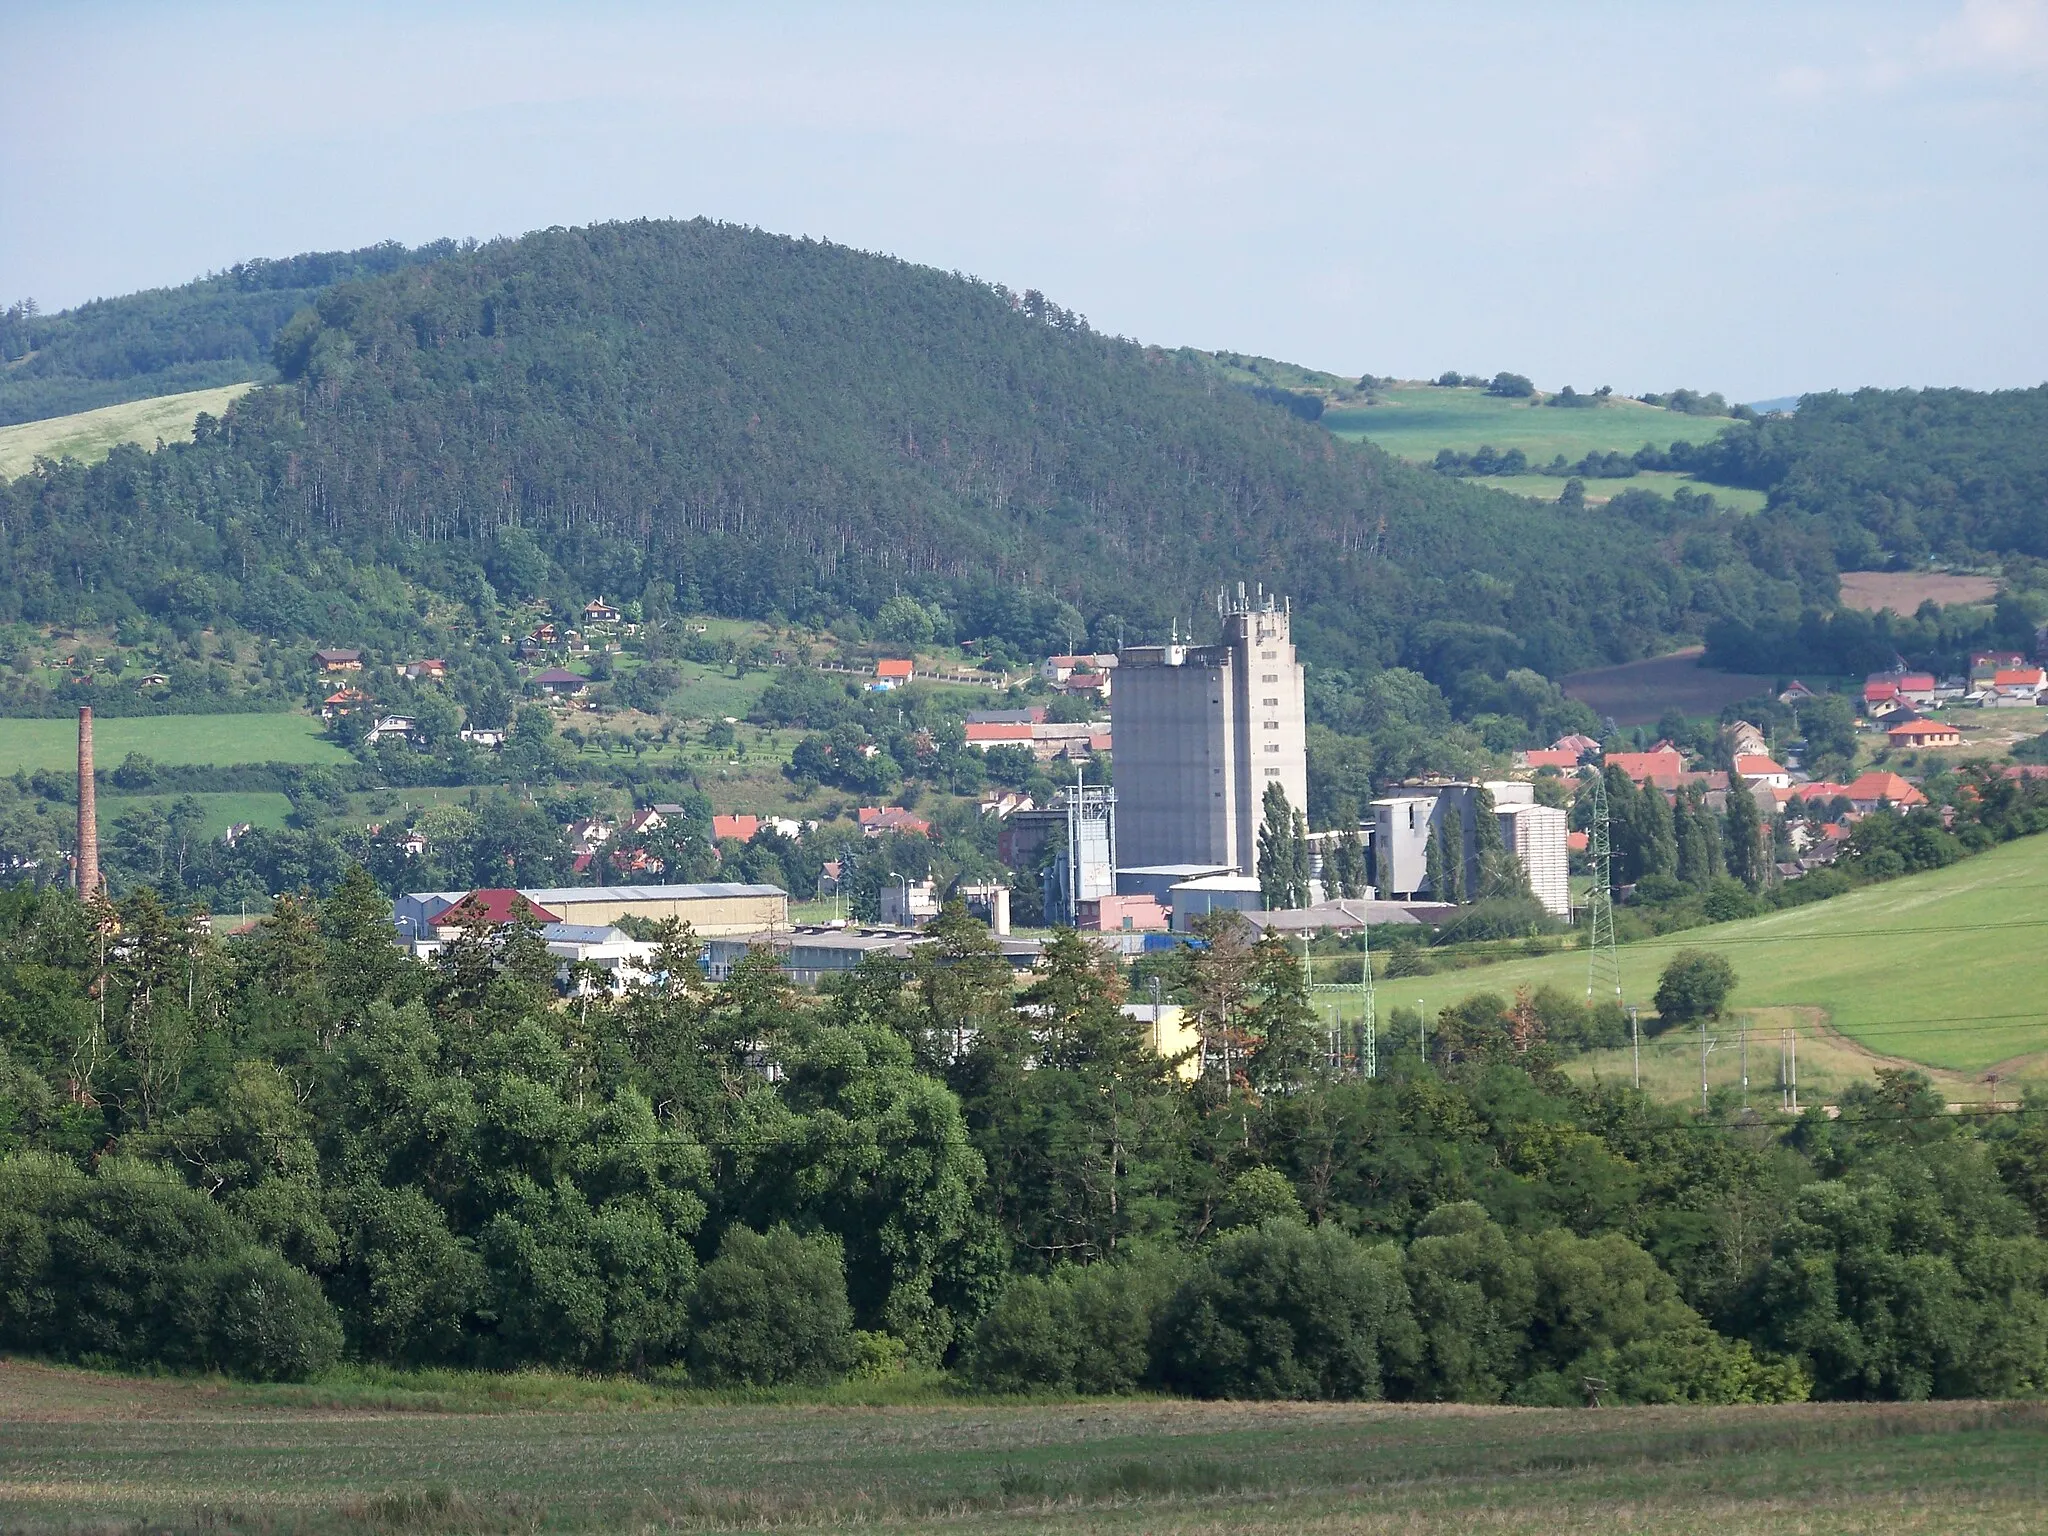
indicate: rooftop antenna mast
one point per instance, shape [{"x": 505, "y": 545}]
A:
[{"x": 1600, "y": 951}]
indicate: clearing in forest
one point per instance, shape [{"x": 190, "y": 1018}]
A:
[
  {"x": 90, "y": 436},
  {"x": 1639, "y": 692}
]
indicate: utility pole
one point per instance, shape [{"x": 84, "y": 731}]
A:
[
  {"x": 1743, "y": 1037},
  {"x": 1422, "y": 1030},
  {"x": 1792, "y": 1044},
  {"x": 1706, "y": 1045},
  {"x": 1635, "y": 1034}
]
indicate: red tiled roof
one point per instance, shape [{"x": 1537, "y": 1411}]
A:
[
  {"x": 894, "y": 668},
  {"x": 1917, "y": 729},
  {"x": 1660, "y": 768},
  {"x": 1551, "y": 757},
  {"x": 999, "y": 731},
  {"x": 1753, "y": 765},
  {"x": 1879, "y": 785},
  {"x": 497, "y": 906},
  {"x": 741, "y": 827},
  {"x": 2007, "y": 677}
]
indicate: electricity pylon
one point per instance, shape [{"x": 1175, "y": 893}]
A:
[{"x": 1600, "y": 951}]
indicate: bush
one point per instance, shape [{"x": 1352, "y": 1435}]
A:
[
  {"x": 1287, "y": 1311},
  {"x": 1472, "y": 1295},
  {"x": 1695, "y": 985},
  {"x": 1075, "y": 1330},
  {"x": 771, "y": 1309},
  {"x": 129, "y": 1264}
]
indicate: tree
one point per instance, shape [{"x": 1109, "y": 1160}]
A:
[
  {"x": 1502, "y": 876},
  {"x": 771, "y": 1309},
  {"x": 1695, "y": 985},
  {"x": 1450, "y": 837},
  {"x": 1283, "y": 853},
  {"x": 1748, "y": 851},
  {"x": 1288, "y": 1311}
]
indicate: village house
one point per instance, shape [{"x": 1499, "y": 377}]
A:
[
  {"x": 338, "y": 660},
  {"x": 1663, "y": 766},
  {"x": 1923, "y": 733},
  {"x": 560, "y": 683},
  {"x": 1759, "y": 768},
  {"x": 1560, "y": 758},
  {"x": 2017, "y": 686},
  {"x": 892, "y": 673},
  {"x": 598, "y": 611},
  {"x": 739, "y": 828},
  {"x": 1796, "y": 692},
  {"x": 432, "y": 670},
  {"x": 645, "y": 820},
  {"x": 489, "y": 739},
  {"x": 340, "y": 702},
  {"x": 1986, "y": 665},
  {"x": 1875, "y": 788},
  {"x": 1059, "y": 669},
  {"x": 394, "y": 727},
  {"x": 1743, "y": 738},
  {"x": 875, "y": 820}
]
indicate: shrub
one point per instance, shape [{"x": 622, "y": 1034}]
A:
[
  {"x": 1076, "y": 1330},
  {"x": 1472, "y": 1295},
  {"x": 1286, "y": 1311},
  {"x": 129, "y": 1264},
  {"x": 771, "y": 1309},
  {"x": 1695, "y": 985}
]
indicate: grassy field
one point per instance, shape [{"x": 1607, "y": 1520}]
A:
[
  {"x": 1942, "y": 968},
  {"x": 1413, "y": 421},
  {"x": 1638, "y": 692},
  {"x": 259, "y": 808},
  {"x": 91, "y": 435},
  {"x": 174, "y": 740},
  {"x": 99, "y": 1453}
]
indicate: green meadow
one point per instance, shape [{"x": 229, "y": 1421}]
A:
[
  {"x": 1664, "y": 482},
  {"x": 86, "y": 1452},
  {"x": 90, "y": 436},
  {"x": 174, "y": 740},
  {"x": 1412, "y": 421},
  {"x": 223, "y": 809},
  {"x": 1942, "y": 968}
]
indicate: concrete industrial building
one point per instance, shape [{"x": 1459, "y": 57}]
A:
[
  {"x": 1404, "y": 823},
  {"x": 1201, "y": 731}
]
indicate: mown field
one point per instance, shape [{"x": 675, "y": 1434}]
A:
[
  {"x": 82, "y": 1452},
  {"x": 257, "y": 807},
  {"x": 174, "y": 740},
  {"x": 1904, "y": 591},
  {"x": 91, "y": 435},
  {"x": 1941, "y": 968}
]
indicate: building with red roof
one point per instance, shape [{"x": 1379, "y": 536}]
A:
[
  {"x": 493, "y": 908},
  {"x": 1547, "y": 757},
  {"x": 892, "y": 672},
  {"x": 1924, "y": 733},
  {"x": 875, "y": 820},
  {"x": 741, "y": 828},
  {"x": 1875, "y": 786},
  {"x": 1759, "y": 768},
  {"x": 1664, "y": 767}
]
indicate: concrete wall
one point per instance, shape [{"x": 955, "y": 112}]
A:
[{"x": 710, "y": 916}]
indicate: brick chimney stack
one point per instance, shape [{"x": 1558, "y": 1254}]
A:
[{"x": 88, "y": 824}]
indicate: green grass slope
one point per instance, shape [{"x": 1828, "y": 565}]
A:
[
  {"x": 1412, "y": 421},
  {"x": 89, "y": 436},
  {"x": 173, "y": 740},
  {"x": 1943, "y": 968}
]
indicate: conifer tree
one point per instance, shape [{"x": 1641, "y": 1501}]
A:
[{"x": 1746, "y": 848}]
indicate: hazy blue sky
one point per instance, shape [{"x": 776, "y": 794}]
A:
[{"x": 1755, "y": 198}]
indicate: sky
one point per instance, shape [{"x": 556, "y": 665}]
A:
[{"x": 1757, "y": 198}]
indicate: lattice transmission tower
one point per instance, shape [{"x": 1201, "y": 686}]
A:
[{"x": 1601, "y": 955}]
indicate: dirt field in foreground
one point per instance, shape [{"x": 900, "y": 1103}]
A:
[{"x": 1904, "y": 591}]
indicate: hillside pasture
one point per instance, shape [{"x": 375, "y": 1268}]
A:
[
  {"x": 173, "y": 740},
  {"x": 1904, "y": 591},
  {"x": 90, "y": 436},
  {"x": 256, "y": 807},
  {"x": 1639, "y": 692},
  {"x": 101, "y": 1453},
  {"x": 1941, "y": 969},
  {"x": 1412, "y": 421}
]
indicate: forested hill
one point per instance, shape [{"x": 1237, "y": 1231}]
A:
[
  {"x": 218, "y": 330},
  {"x": 1902, "y": 475},
  {"x": 766, "y": 425}
]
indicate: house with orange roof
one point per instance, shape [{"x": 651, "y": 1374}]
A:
[
  {"x": 1563, "y": 759},
  {"x": 875, "y": 820},
  {"x": 1663, "y": 767},
  {"x": 493, "y": 909},
  {"x": 1924, "y": 733},
  {"x": 739, "y": 828},
  {"x": 2018, "y": 685},
  {"x": 1879, "y": 787},
  {"x": 892, "y": 672}
]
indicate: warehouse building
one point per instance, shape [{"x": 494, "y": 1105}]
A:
[{"x": 713, "y": 910}]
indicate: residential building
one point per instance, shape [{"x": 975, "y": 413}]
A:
[
  {"x": 1877, "y": 787},
  {"x": 431, "y": 670},
  {"x": 1663, "y": 766},
  {"x": 891, "y": 673},
  {"x": 1760, "y": 768},
  {"x": 983, "y": 734},
  {"x": 1924, "y": 733},
  {"x": 739, "y": 828},
  {"x": 1576, "y": 742},
  {"x": 1745, "y": 739},
  {"x": 1796, "y": 692},
  {"x": 1202, "y": 731},
  {"x": 1122, "y": 914},
  {"x": 338, "y": 660},
  {"x": 2019, "y": 685},
  {"x": 387, "y": 727},
  {"x": 1561, "y": 758},
  {"x": 875, "y": 820},
  {"x": 1058, "y": 669},
  {"x": 598, "y": 611},
  {"x": 1986, "y": 665},
  {"x": 560, "y": 683},
  {"x": 490, "y": 740}
]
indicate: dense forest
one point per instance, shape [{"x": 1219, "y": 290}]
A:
[
  {"x": 218, "y": 330},
  {"x": 730, "y": 420},
  {"x": 265, "y": 1156}
]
